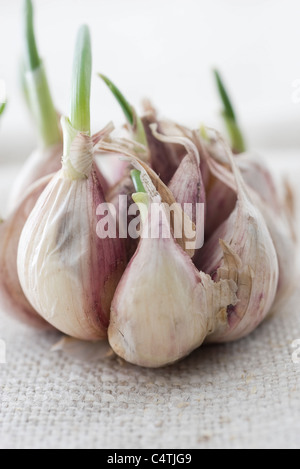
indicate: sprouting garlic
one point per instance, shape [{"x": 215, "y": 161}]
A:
[
  {"x": 163, "y": 307},
  {"x": 67, "y": 272},
  {"x": 12, "y": 297},
  {"x": 69, "y": 267},
  {"x": 242, "y": 250}
]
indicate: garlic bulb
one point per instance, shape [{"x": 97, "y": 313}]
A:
[
  {"x": 242, "y": 250},
  {"x": 163, "y": 308},
  {"x": 12, "y": 297},
  {"x": 68, "y": 270}
]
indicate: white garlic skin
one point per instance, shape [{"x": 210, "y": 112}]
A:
[
  {"x": 12, "y": 298},
  {"x": 163, "y": 308},
  {"x": 40, "y": 163},
  {"x": 67, "y": 272}
]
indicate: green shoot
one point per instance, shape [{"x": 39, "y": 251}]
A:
[
  {"x": 229, "y": 116},
  {"x": 142, "y": 201},
  {"x": 136, "y": 179},
  {"x": 24, "y": 85},
  {"x": 131, "y": 116},
  {"x": 2, "y": 107},
  {"x": 81, "y": 82},
  {"x": 126, "y": 107},
  {"x": 35, "y": 85},
  {"x": 32, "y": 58}
]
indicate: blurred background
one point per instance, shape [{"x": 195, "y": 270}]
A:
[{"x": 165, "y": 50}]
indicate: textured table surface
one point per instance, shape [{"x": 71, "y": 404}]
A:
[{"x": 239, "y": 395}]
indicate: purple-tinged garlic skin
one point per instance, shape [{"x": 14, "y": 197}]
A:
[
  {"x": 163, "y": 308},
  {"x": 187, "y": 186},
  {"x": 220, "y": 203},
  {"x": 12, "y": 298},
  {"x": 242, "y": 249},
  {"x": 265, "y": 195},
  {"x": 285, "y": 246},
  {"x": 221, "y": 199},
  {"x": 124, "y": 188},
  {"x": 164, "y": 157},
  {"x": 67, "y": 272}
]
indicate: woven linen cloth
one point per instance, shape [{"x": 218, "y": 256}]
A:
[{"x": 239, "y": 395}]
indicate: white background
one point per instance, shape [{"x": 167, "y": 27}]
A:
[{"x": 164, "y": 49}]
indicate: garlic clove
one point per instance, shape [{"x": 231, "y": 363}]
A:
[
  {"x": 163, "y": 308},
  {"x": 68, "y": 265},
  {"x": 264, "y": 193},
  {"x": 285, "y": 247},
  {"x": 242, "y": 250},
  {"x": 67, "y": 272},
  {"x": 187, "y": 185},
  {"x": 12, "y": 297}
]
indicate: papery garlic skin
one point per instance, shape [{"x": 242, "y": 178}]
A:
[
  {"x": 285, "y": 246},
  {"x": 42, "y": 162},
  {"x": 67, "y": 272},
  {"x": 164, "y": 157},
  {"x": 124, "y": 188},
  {"x": 12, "y": 297},
  {"x": 163, "y": 308},
  {"x": 187, "y": 184},
  {"x": 242, "y": 249},
  {"x": 266, "y": 197},
  {"x": 221, "y": 199},
  {"x": 112, "y": 168}
]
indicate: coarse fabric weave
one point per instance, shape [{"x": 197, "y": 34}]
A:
[{"x": 239, "y": 395}]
